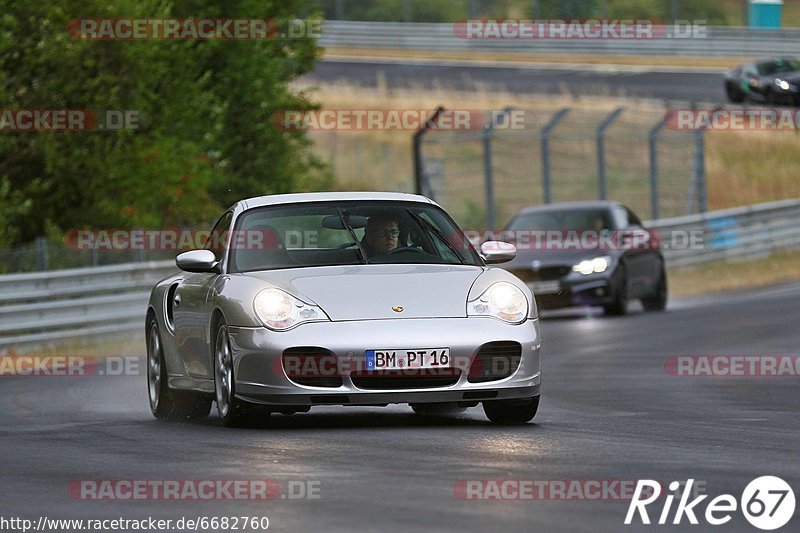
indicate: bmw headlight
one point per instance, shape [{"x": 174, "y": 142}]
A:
[
  {"x": 593, "y": 266},
  {"x": 501, "y": 300},
  {"x": 279, "y": 310}
]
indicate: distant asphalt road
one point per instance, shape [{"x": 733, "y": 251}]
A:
[
  {"x": 610, "y": 411},
  {"x": 658, "y": 83}
]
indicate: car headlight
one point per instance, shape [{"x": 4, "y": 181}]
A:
[
  {"x": 279, "y": 310},
  {"x": 593, "y": 266},
  {"x": 783, "y": 84},
  {"x": 501, "y": 300}
]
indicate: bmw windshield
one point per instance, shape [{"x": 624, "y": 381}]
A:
[{"x": 347, "y": 233}]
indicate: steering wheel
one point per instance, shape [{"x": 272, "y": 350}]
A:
[{"x": 405, "y": 249}]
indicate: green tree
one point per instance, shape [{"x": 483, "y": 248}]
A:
[{"x": 205, "y": 138}]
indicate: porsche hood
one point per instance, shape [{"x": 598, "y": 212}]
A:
[{"x": 368, "y": 292}]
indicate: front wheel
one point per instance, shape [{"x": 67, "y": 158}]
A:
[
  {"x": 511, "y": 412},
  {"x": 657, "y": 302},
  {"x": 233, "y": 411},
  {"x": 166, "y": 403},
  {"x": 619, "y": 306}
]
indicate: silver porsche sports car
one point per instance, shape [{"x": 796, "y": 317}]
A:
[{"x": 300, "y": 300}]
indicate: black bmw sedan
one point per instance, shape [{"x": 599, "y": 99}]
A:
[{"x": 587, "y": 254}]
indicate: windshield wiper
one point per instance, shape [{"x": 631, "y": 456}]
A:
[
  {"x": 361, "y": 252},
  {"x": 422, "y": 222}
]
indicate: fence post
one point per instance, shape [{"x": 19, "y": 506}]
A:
[
  {"x": 652, "y": 141},
  {"x": 41, "y": 253},
  {"x": 488, "y": 132},
  {"x": 545, "y": 147},
  {"x": 601, "y": 151},
  {"x": 419, "y": 183},
  {"x": 700, "y": 170}
]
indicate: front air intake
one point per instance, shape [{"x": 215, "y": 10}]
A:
[{"x": 495, "y": 361}]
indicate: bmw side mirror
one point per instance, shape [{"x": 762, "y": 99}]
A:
[
  {"x": 198, "y": 261},
  {"x": 495, "y": 252}
]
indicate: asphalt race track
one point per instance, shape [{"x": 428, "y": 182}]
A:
[
  {"x": 664, "y": 84},
  {"x": 610, "y": 411}
]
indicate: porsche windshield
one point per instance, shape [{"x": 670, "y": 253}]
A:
[{"x": 347, "y": 233}]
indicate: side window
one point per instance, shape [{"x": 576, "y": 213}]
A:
[
  {"x": 633, "y": 220},
  {"x": 217, "y": 240}
]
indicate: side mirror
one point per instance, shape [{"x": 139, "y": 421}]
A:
[
  {"x": 198, "y": 261},
  {"x": 494, "y": 252}
]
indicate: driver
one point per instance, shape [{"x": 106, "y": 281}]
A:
[{"x": 380, "y": 235}]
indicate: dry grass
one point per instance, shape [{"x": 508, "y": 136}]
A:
[
  {"x": 721, "y": 276},
  {"x": 748, "y": 167}
]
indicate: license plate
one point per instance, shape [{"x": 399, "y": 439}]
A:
[
  {"x": 545, "y": 287},
  {"x": 408, "y": 358}
]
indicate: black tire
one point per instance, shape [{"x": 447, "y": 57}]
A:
[
  {"x": 232, "y": 411},
  {"x": 167, "y": 403},
  {"x": 658, "y": 302},
  {"x": 735, "y": 94},
  {"x": 511, "y": 412},
  {"x": 437, "y": 409},
  {"x": 619, "y": 306}
]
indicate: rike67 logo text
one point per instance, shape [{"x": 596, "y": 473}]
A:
[{"x": 767, "y": 502}]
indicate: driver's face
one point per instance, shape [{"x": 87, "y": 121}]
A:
[{"x": 383, "y": 236}]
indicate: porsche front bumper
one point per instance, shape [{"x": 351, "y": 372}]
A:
[{"x": 261, "y": 377}]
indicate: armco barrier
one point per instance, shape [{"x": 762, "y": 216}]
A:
[{"x": 718, "y": 41}]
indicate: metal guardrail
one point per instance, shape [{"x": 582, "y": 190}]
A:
[
  {"x": 85, "y": 302},
  {"x": 719, "y": 41},
  {"x": 75, "y": 303},
  {"x": 739, "y": 233}
]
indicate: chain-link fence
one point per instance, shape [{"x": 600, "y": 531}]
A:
[{"x": 483, "y": 176}]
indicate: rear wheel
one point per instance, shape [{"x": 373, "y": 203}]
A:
[
  {"x": 619, "y": 306},
  {"x": 233, "y": 411},
  {"x": 166, "y": 403},
  {"x": 511, "y": 412},
  {"x": 735, "y": 94},
  {"x": 658, "y": 302}
]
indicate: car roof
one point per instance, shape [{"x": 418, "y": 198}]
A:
[
  {"x": 559, "y": 206},
  {"x": 295, "y": 198}
]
